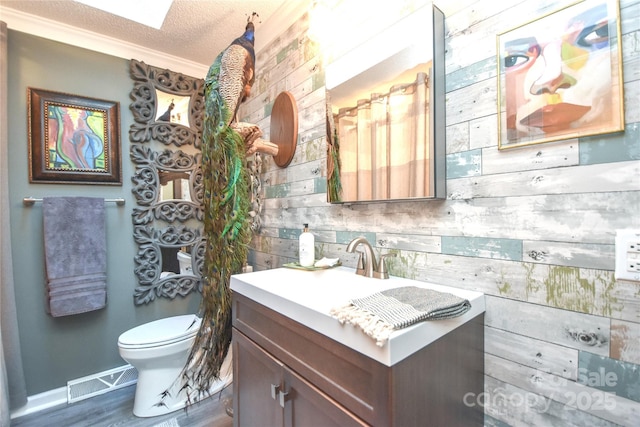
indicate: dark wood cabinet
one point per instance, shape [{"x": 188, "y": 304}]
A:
[
  {"x": 286, "y": 374},
  {"x": 257, "y": 371},
  {"x": 270, "y": 394}
]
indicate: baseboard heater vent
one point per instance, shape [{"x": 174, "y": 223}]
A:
[{"x": 100, "y": 383}]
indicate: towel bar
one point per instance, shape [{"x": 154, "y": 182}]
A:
[{"x": 29, "y": 201}]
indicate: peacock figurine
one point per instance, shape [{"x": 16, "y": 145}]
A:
[
  {"x": 166, "y": 116},
  {"x": 227, "y": 201}
]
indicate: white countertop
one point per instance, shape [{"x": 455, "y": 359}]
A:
[{"x": 308, "y": 297}]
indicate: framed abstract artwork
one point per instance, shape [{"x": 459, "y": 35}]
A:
[
  {"x": 560, "y": 76},
  {"x": 73, "y": 139}
]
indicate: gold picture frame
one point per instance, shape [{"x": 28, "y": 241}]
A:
[
  {"x": 560, "y": 76},
  {"x": 73, "y": 139}
]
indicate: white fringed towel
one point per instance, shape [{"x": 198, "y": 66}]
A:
[
  {"x": 381, "y": 313},
  {"x": 75, "y": 254}
]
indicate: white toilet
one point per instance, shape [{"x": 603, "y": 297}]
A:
[
  {"x": 184, "y": 260},
  {"x": 159, "y": 350}
]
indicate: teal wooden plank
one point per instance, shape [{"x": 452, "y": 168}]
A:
[
  {"x": 482, "y": 247},
  {"x": 464, "y": 164},
  {"x": 489, "y": 421},
  {"x": 284, "y": 52},
  {"x": 277, "y": 191},
  {"x": 467, "y": 76},
  {"x": 317, "y": 81},
  {"x": 320, "y": 185},
  {"x": 629, "y": 16},
  {"x": 345, "y": 237},
  {"x": 609, "y": 375},
  {"x": 289, "y": 233},
  {"x": 611, "y": 148},
  {"x": 268, "y": 108}
]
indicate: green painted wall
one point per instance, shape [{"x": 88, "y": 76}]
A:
[{"x": 56, "y": 350}]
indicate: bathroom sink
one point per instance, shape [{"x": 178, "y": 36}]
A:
[{"x": 308, "y": 297}]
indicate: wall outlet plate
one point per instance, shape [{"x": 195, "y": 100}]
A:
[{"x": 628, "y": 255}]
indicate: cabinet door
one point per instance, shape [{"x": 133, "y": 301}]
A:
[
  {"x": 305, "y": 405},
  {"x": 256, "y": 375}
]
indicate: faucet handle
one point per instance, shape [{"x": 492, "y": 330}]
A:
[{"x": 382, "y": 267}]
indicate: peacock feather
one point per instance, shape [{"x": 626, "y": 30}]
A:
[{"x": 334, "y": 166}]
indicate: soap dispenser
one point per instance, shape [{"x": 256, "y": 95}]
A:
[{"x": 306, "y": 248}]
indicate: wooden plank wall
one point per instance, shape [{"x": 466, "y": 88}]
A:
[{"x": 532, "y": 228}]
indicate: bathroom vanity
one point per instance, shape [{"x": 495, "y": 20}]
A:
[{"x": 295, "y": 365}]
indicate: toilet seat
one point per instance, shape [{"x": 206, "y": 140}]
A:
[{"x": 161, "y": 332}]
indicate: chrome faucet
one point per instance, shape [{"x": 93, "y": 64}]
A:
[{"x": 368, "y": 266}]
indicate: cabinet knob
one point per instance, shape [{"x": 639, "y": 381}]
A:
[
  {"x": 274, "y": 391},
  {"x": 282, "y": 395}
]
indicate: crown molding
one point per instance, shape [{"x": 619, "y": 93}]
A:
[
  {"x": 56, "y": 31},
  {"x": 284, "y": 17}
]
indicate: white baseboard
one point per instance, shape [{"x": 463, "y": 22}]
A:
[{"x": 42, "y": 401}]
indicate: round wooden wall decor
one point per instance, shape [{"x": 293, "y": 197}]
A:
[{"x": 284, "y": 128}]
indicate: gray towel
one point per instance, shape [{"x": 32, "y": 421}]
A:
[
  {"x": 379, "y": 314},
  {"x": 75, "y": 254}
]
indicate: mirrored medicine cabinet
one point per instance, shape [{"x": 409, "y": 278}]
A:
[{"x": 386, "y": 112}]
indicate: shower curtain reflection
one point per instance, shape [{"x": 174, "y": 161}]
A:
[
  {"x": 384, "y": 144},
  {"x": 348, "y": 135},
  {"x": 365, "y": 141}
]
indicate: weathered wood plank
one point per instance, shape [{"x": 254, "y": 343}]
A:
[
  {"x": 625, "y": 341},
  {"x": 632, "y": 107},
  {"x": 321, "y": 236},
  {"x": 305, "y": 91},
  {"x": 571, "y": 218},
  {"x": 463, "y": 77},
  {"x": 630, "y": 12},
  {"x": 409, "y": 242},
  {"x": 291, "y": 189},
  {"x": 584, "y": 255},
  {"x": 612, "y": 148},
  {"x": 482, "y": 247},
  {"x": 573, "y": 179},
  {"x": 464, "y": 164},
  {"x": 601, "y": 404},
  {"x": 267, "y": 261},
  {"x": 626, "y": 296},
  {"x": 542, "y": 156},
  {"x": 457, "y": 137},
  {"x": 609, "y": 375},
  {"x": 582, "y": 290},
  {"x": 516, "y": 406},
  {"x": 276, "y": 252},
  {"x": 544, "y": 356},
  {"x": 473, "y": 102},
  {"x": 546, "y": 217},
  {"x": 570, "y": 329},
  {"x": 483, "y": 132}
]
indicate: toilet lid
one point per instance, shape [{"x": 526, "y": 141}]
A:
[{"x": 160, "y": 332}]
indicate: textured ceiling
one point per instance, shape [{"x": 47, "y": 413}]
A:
[{"x": 196, "y": 30}]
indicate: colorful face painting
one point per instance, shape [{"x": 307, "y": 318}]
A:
[{"x": 560, "y": 76}]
